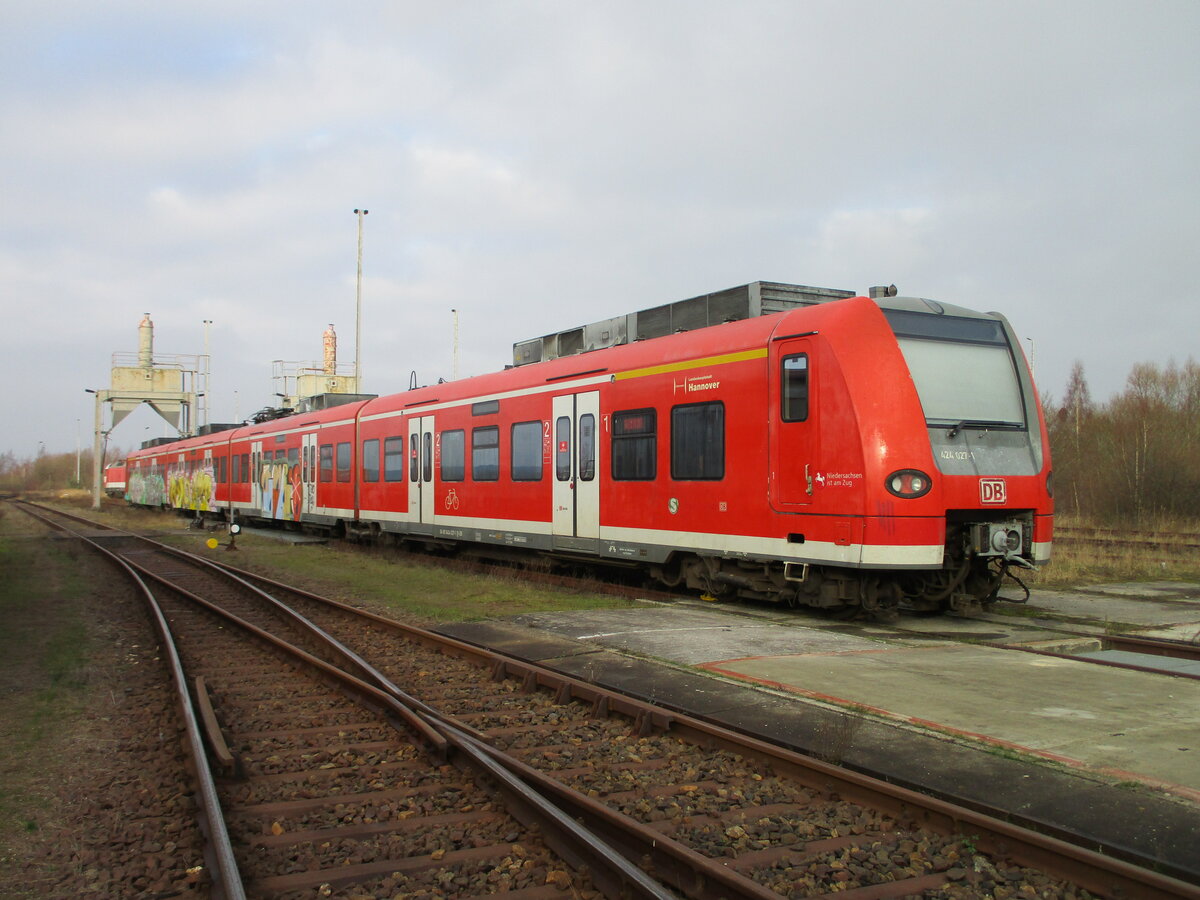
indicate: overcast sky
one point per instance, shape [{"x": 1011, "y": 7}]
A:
[{"x": 541, "y": 165}]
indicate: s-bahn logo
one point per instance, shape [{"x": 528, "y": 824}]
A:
[{"x": 993, "y": 490}]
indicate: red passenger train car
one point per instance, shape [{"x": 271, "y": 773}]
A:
[{"x": 842, "y": 453}]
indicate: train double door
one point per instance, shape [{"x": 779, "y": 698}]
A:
[
  {"x": 308, "y": 473},
  {"x": 576, "y": 463},
  {"x": 421, "y": 451}
]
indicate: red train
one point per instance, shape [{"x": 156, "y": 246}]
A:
[
  {"x": 114, "y": 479},
  {"x": 841, "y": 453}
]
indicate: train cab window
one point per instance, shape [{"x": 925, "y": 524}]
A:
[
  {"x": 526, "y": 451},
  {"x": 393, "y": 459},
  {"x": 698, "y": 442},
  {"x": 454, "y": 455},
  {"x": 326, "y": 463},
  {"x": 634, "y": 445},
  {"x": 794, "y": 388},
  {"x": 587, "y": 447},
  {"x": 485, "y": 453},
  {"x": 370, "y": 460},
  {"x": 562, "y": 448},
  {"x": 343, "y": 461}
]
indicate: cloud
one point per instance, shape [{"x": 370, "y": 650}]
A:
[{"x": 537, "y": 165}]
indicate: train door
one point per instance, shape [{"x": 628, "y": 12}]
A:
[
  {"x": 792, "y": 425},
  {"x": 421, "y": 441},
  {"x": 308, "y": 473},
  {"x": 178, "y": 482},
  {"x": 256, "y": 488},
  {"x": 576, "y": 520},
  {"x": 206, "y": 483}
]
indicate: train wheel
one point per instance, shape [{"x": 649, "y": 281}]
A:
[{"x": 881, "y": 599}]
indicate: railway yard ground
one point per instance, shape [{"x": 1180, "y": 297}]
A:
[{"x": 946, "y": 706}]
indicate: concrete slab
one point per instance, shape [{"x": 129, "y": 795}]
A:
[
  {"x": 1128, "y": 724},
  {"x": 1187, "y": 631},
  {"x": 1148, "y": 589},
  {"x": 1146, "y": 608},
  {"x": 527, "y": 643},
  {"x": 691, "y": 636},
  {"x": 282, "y": 534},
  {"x": 1150, "y": 661}
]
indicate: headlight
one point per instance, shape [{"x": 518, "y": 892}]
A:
[{"x": 908, "y": 483}]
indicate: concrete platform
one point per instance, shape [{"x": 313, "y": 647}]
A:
[{"x": 1064, "y": 745}]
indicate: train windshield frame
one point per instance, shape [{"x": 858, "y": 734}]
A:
[{"x": 963, "y": 369}]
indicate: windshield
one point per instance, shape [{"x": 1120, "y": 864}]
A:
[{"x": 963, "y": 368}]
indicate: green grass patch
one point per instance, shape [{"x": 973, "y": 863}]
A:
[
  {"x": 43, "y": 664},
  {"x": 413, "y": 590}
]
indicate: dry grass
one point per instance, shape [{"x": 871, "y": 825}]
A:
[{"x": 1075, "y": 563}]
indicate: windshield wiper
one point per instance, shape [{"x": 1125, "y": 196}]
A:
[{"x": 978, "y": 423}]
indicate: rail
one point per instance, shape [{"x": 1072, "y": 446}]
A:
[{"x": 606, "y": 827}]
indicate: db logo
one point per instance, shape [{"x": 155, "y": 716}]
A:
[{"x": 992, "y": 490}]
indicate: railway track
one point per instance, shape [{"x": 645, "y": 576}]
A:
[{"x": 704, "y": 811}]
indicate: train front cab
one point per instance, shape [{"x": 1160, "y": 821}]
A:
[
  {"x": 907, "y": 455},
  {"x": 953, "y": 481}
]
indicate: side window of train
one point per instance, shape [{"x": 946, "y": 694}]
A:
[
  {"x": 343, "y": 461},
  {"x": 794, "y": 388},
  {"x": 237, "y": 469},
  {"x": 370, "y": 460},
  {"x": 562, "y": 448},
  {"x": 587, "y": 447},
  {"x": 393, "y": 459},
  {"x": 326, "y": 462},
  {"x": 454, "y": 455},
  {"x": 526, "y": 451},
  {"x": 245, "y": 468},
  {"x": 485, "y": 453},
  {"x": 698, "y": 442},
  {"x": 634, "y": 445}
]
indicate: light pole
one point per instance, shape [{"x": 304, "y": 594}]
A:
[
  {"x": 358, "y": 309},
  {"x": 97, "y": 448},
  {"x": 207, "y": 373}
]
